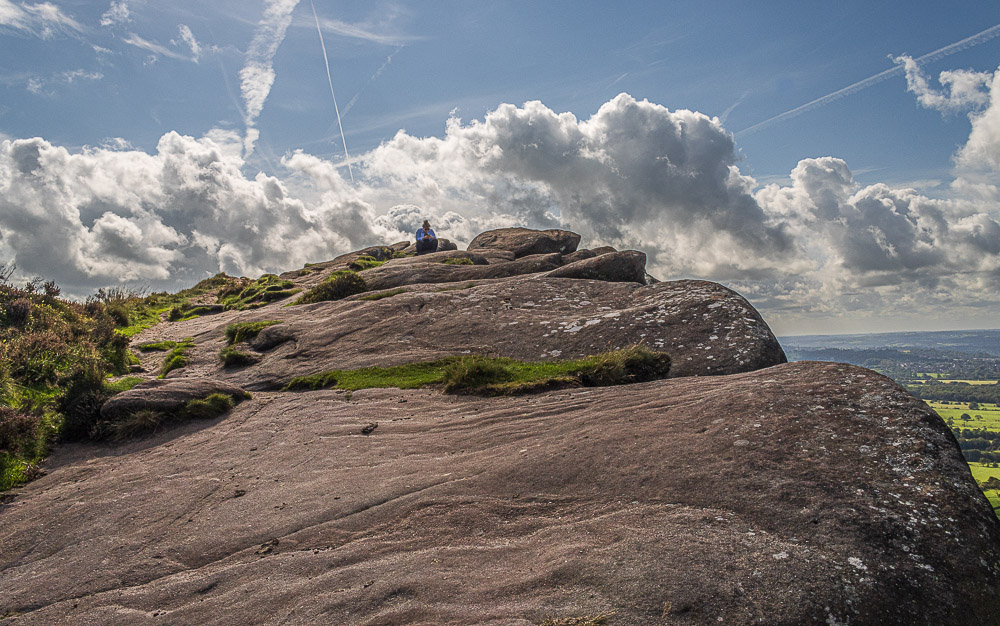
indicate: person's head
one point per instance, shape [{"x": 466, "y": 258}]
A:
[{"x": 426, "y": 225}]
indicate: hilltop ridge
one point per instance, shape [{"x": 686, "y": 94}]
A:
[{"x": 723, "y": 485}]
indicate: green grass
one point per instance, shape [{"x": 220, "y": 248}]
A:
[
  {"x": 498, "y": 376},
  {"x": 177, "y": 358},
  {"x": 458, "y": 261},
  {"x": 158, "y": 346},
  {"x": 383, "y": 294},
  {"x": 245, "y": 294},
  {"x": 990, "y": 414},
  {"x": 145, "y": 421},
  {"x": 122, "y": 384},
  {"x": 364, "y": 262},
  {"x": 245, "y": 331},
  {"x": 982, "y": 473},
  {"x": 231, "y": 357}
]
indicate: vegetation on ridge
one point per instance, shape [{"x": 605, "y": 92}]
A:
[
  {"x": 337, "y": 286},
  {"x": 483, "y": 375}
]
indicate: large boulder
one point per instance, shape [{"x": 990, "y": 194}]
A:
[
  {"x": 626, "y": 266},
  {"x": 165, "y": 396},
  {"x": 525, "y": 241},
  {"x": 706, "y": 328},
  {"x": 808, "y": 493}
]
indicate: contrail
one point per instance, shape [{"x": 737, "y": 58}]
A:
[
  {"x": 940, "y": 53},
  {"x": 374, "y": 77},
  {"x": 329, "y": 79}
]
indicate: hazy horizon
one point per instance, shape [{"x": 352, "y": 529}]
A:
[{"x": 839, "y": 166}]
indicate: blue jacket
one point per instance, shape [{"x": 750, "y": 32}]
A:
[{"x": 420, "y": 233}]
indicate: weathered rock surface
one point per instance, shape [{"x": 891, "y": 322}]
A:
[
  {"x": 802, "y": 493},
  {"x": 167, "y": 395},
  {"x": 626, "y": 266},
  {"x": 439, "y": 257},
  {"x": 524, "y": 241},
  {"x": 706, "y": 328},
  {"x": 388, "y": 276}
]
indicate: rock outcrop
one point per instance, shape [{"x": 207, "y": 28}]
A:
[
  {"x": 524, "y": 241},
  {"x": 742, "y": 490},
  {"x": 802, "y": 493},
  {"x": 166, "y": 395}
]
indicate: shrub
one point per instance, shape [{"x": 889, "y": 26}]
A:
[
  {"x": 81, "y": 402},
  {"x": 19, "y": 432},
  {"x": 338, "y": 286},
  {"x": 245, "y": 331},
  {"x": 18, "y": 312}
]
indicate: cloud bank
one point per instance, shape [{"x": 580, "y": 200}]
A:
[{"x": 633, "y": 175}]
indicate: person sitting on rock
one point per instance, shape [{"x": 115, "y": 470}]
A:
[{"x": 426, "y": 239}]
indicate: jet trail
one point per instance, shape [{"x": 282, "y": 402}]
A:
[
  {"x": 329, "y": 79},
  {"x": 940, "y": 53}
]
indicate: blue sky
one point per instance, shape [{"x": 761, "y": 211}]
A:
[{"x": 122, "y": 84}]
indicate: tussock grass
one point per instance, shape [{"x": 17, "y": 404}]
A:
[
  {"x": 245, "y": 294},
  {"x": 337, "y": 287},
  {"x": 364, "y": 262},
  {"x": 492, "y": 376},
  {"x": 158, "y": 346},
  {"x": 147, "y": 421},
  {"x": 177, "y": 358},
  {"x": 245, "y": 331},
  {"x": 231, "y": 357}
]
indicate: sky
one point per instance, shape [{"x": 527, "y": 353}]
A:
[{"x": 838, "y": 164}]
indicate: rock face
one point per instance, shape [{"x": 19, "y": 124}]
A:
[
  {"x": 524, "y": 241},
  {"x": 165, "y": 395},
  {"x": 802, "y": 493},
  {"x": 742, "y": 490},
  {"x": 625, "y": 267}
]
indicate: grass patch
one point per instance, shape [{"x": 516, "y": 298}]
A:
[
  {"x": 337, "y": 287},
  {"x": 158, "y": 346},
  {"x": 122, "y": 384},
  {"x": 245, "y": 331},
  {"x": 177, "y": 358},
  {"x": 458, "y": 261},
  {"x": 245, "y": 294},
  {"x": 231, "y": 357},
  {"x": 364, "y": 262},
  {"x": 383, "y": 294},
  {"x": 146, "y": 421},
  {"x": 399, "y": 254},
  {"x": 499, "y": 376}
]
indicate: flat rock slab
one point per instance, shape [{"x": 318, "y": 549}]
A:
[
  {"x": 802, "y": 493},
  {"x": 167, "y": 395},
  {"x": 525, "y": 241}
]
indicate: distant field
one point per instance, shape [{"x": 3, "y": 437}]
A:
[
  {"x": 989, "y": 412},
  {"x": 955, "y": 380},
  {"x": 982, "y": 474}
]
